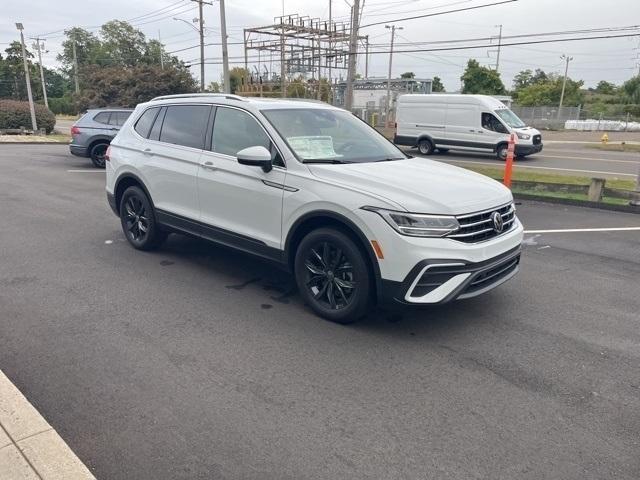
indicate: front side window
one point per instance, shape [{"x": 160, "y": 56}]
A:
[
  {"x": 331, "y": 136},
  {"x": 490, "y": 122},
  {"x": 185, "y": 125},
  {"x": 235, "y": 130},
  {"x": 145, "y": 121}
]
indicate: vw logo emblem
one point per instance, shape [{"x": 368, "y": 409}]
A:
[{"x": 498, "y": 224}]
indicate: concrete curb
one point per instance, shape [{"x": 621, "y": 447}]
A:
[
  {"x": 34, "y": 143},
  {"x": 29, "y": 447},
  {"x": 577, "y": 203}
]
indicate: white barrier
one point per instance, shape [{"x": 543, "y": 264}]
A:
[{"x": 590, "y": 125}]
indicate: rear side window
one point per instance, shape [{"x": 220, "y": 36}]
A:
[
  {"x": 143, "y": 125},
  {"x": 102, "y": 117},
  {"x": 185, "y": 125},
  {"x": 118, "y": 118}
]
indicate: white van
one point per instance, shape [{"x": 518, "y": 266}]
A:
[{"x": 465, "y": 122}]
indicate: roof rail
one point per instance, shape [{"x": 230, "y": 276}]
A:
[{"x": 228, "y": 96}]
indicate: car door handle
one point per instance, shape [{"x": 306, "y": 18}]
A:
[
  {"x": 208, "y": 165},
  {"x": 147, "y": 151}
]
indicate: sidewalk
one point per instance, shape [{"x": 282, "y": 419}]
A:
[{"x": 29, "y": 447}]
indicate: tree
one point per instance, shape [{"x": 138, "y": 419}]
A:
[
  {"x": 214, "y": 87},
  {"x": 482, "y": 80},
  {"x": 408, "y": 75},
  {"x": 124, "y": 45},
  {"x": 126, "y": 87},
  {"x": 88, "y": 48},
  {"x": 527, "y": 78},
  {"x": 548, "y": 92},
  {"x": 237, "y": 76},
  {"x": 631, "y": 89},
  {"x": 437, "y": 85},
  {"x": 605, "y": 87}
]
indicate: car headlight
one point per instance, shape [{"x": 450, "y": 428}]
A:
[
  {"x": 523, "y": 136},
  {"x": 417, "y": 224}
]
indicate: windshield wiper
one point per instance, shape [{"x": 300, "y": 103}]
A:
[
  {"x": 324, "y": 160},
  {"x": 390, "y": 159}
]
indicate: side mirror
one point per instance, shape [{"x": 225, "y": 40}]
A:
[{"x": 257, "y": 156}]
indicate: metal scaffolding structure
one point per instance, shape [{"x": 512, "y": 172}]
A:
[{"x": 301, "y": 45}]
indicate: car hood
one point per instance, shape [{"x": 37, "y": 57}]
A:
[
  {"x": 527, "y": 130},
  {"x": 418, "y": 185}
]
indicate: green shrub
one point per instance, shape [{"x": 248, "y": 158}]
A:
[
  {"x": 16, "y": 114},
  {"x": 63, "y": 105}
]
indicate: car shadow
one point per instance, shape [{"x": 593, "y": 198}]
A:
[{"x": 249, "y": 272}]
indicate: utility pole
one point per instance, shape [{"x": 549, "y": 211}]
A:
[
  {"x": 564, "y": 82},
  {"x": 366, "y": 58},
  {"x": 201, "y": 3},
  {"x": 75, "y": 64},
  {"x": 44, "y": 87},
  {"x": 499, "y": 47},
  {"x": 34, "y": 124},
  {"x": 388, "y": 99},
  {"x": 353, "y": 53},
  {"x": 330, "y": 60},
  {"x": 225, "y": 51},
  {"x": 161, "y": 59},
  {"x": 283, "y": 82}
]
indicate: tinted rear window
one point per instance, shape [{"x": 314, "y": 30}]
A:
[
  {"x": 102, "y": 117},
  {"x": 145, "y": 121},
  {"x": 185, "y": 125}
]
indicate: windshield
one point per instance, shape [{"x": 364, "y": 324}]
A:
[
  {"x": 330, "y": 136},
  {"x": 510, "y": 118}
]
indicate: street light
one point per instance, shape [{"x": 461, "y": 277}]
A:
[{"x": 34, "y": 124}]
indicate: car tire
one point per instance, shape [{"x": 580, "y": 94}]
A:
[
  {"x": 501, "y": 151},
  {"x": 98, "y": 153},
  {"x": 332, "y": 276},
  {"x": 137, "y": 218},
  {"x": 425, "y": 147}
]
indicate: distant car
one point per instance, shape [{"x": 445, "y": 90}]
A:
[
  {"x": 473, "y": 123},
  {"x": 93, "y": 132}
]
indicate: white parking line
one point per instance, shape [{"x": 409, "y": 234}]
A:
[
  {"x": 577, "y": 230},
  {"x": 91, "y": 170},
  {"x": 539, "y": 168}
]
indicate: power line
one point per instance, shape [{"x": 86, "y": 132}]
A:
[{"x": 475, "y": 7}]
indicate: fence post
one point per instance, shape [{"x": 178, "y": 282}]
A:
[
  {"x": 595, "y": 189},
  {"x": 508, "y": 168},
  {"x": 626, "y": 125}
]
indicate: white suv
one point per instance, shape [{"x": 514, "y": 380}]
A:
[{"x": 316, "y": 190}]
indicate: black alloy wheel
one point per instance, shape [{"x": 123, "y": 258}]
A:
[
  {"x": 329, "y": 276},
  {"x": 99, "y": 155},
  {"x": 138, "y": 220},
  {"x": 332, "y": 275}
]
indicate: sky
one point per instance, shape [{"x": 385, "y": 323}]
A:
[{"x": 614, "y": 60}]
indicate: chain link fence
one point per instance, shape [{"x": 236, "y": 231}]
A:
[{"x": 575, "y": 118}]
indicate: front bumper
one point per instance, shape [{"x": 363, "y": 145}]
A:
[
  {"x": 522, "y": 150},
  {"x": 433, "y": 282}
]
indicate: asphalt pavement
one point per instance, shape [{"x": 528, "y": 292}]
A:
[
  {"x": 198, "y": 362},
  {"x": 558, "y": 158}
]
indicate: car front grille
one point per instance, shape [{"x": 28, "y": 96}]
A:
[
  {"x": 478, "y": 227},
  {"x": 537, "y": 139}
]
